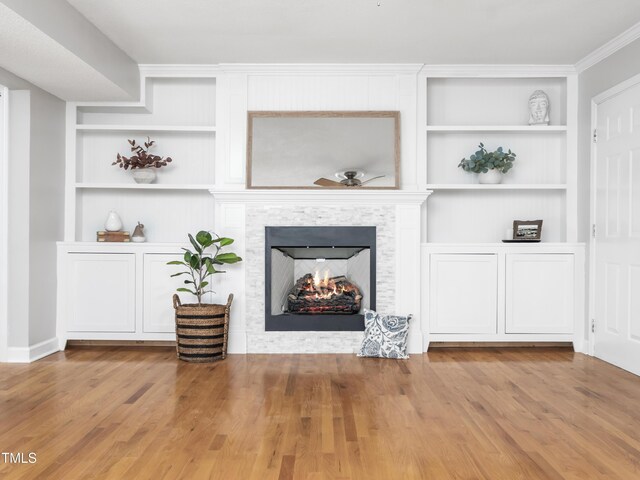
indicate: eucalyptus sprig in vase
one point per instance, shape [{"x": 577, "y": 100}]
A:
[{"x": 490, "y": 166}]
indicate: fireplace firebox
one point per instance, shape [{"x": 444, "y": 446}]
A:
[{"x": 319, "y": 278}]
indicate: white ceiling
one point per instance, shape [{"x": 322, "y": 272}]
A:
[{"x": 360, "y": 31}]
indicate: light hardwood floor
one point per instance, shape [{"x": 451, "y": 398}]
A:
[{"x": 126, "y": 413}]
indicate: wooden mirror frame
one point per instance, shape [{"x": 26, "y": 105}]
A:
[{"x": 324, "y": 114}]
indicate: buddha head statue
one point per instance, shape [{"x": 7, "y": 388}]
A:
[{"x": 538, "y": 108}]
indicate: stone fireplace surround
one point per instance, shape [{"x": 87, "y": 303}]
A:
[{"x": 244, "y": 214}]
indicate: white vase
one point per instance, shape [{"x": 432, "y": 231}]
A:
[
  {"x": 113, "y": 222},
  {"x": 492, "y": 177},
  {"x": 144, "y": 175}
]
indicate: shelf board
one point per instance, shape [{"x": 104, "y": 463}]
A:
[
  {"x": 500, "y": 186},
  {"x": 496, "y": 128},
  {"x": 149, "y": 128},
  {"x": 142, "y": 186}
]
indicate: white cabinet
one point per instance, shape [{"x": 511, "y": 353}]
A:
[
  {"x": 463, "y": 293},
  {"x": 539, "y": 293},
  {"x": 503, "y": 293},
  {"x": 159, "y": 287},
  {"x": 101, "y": 293},
  {"x": 117, "y": 291}
]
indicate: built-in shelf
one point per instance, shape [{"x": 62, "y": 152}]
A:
[
  {"x": 501, "y": 186},
  {"x": 148, "y": 128},
  {"x": 496, "y": 128},
  {"x": 143, "y": 186}
]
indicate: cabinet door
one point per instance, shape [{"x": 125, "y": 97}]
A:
[
  {"x": 463, "y": 293},
  {"x": 540, "y": 293},
  {"x": 101, "y": 292},
  {"x": 159, "y": 287}
]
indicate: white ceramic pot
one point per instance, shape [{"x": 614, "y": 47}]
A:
[
  {"x": 144, "y": 175},
  {"x": 113, "y": 222},
  {"x": 492, "y": 177}
]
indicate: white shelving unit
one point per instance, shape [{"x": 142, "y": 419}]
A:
[
  {"x": 457, "y": 112},
  {"x": 180, "y": 114}
]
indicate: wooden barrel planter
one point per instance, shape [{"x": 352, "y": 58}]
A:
[{"x": 201, "y": 330}]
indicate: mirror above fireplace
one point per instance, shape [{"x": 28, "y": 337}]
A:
[{"x": 323, "y": 149}]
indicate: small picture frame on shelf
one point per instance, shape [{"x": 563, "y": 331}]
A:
[{"x": 527, "y": 230}]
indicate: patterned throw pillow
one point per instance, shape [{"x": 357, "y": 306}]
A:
[{"x": 385, "y": 336}]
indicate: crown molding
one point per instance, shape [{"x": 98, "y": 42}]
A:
[
  {"x": 609, "y": 48},
  {"x": 178, "y": 70},
  {"x": 500, "y": 70},
  {"x": 319, "y": 196},
  {"x": 323, "y": 68}
]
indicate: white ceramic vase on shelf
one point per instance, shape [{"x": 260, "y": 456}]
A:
[
  {"x": 144, "y": 175},
  {"x": 113, "y": 222},
  {"x": 492, "y": 177}
]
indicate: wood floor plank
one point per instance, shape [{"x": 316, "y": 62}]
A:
[{"x": 465, "y": 413}]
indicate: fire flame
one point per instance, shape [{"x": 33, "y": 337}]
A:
[{"x": 327, "y": 287}]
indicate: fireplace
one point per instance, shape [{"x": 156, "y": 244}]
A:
[{"x": 319, "y": 278}]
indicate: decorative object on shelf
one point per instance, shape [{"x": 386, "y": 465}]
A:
[
  {"x": 202, "y": 329},
  {"x": 142, "y": 161},
  {"x": 385, "y": 336},
  {"x": 113, "y": 223},
  {"x": 526, "y": 231},
  {"x": 103, "y": 236},
  {"x": 138, "y": 234},
  {"x": 539, "y": 108},
  {"x": 489, "y": 165}
]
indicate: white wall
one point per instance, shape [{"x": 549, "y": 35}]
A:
[
  {"x": 620, "y": 66},
  {"x": 18, "y": 288},
  {"x": 46, "y": 211}
]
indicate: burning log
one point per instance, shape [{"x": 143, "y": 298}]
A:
[{"x": 330, "y": 295}]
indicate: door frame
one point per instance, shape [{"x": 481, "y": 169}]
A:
[
  {"x": 4, "y": 223},
  {"x": 595, "y": 102}
]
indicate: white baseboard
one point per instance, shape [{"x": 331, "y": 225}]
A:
[{"x": 34, "y": 352}]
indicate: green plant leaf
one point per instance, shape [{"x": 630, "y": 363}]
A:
[
  {"x": 203, "y": 284},
  {"x": 187, "y": 257},
  {"x": 194, "y": 262},
  {"x": 195, "y": 244},
  {"x": 176, "y": 262},
  {"x": 178, "y": 274},
  {"x": 204, "y": 238},
  {"x": 228, "y": 258},
  {"x": 224, "y": 241},
  {"x": 186, "y": 290}
]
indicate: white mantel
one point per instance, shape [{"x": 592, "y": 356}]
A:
[
  {"x": 243, "y": 214},
  {"x": 321, "y": 196}
]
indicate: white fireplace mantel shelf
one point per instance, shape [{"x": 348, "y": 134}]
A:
[{"x": 321, "y": 197}]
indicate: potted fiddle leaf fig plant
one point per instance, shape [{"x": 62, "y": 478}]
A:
[
  {"x": 490, "y": 166},
  {"x": 202, "y": 328}
]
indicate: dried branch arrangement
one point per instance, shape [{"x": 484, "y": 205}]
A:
[{"x": 141, "y": 158}]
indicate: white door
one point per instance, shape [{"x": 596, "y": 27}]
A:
[
  {"x": 539, "y": 293},
  {"x": 101, "y": 292},
  {"x": 617, "y": 220},
  {"x": 463, "y": 293}
]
